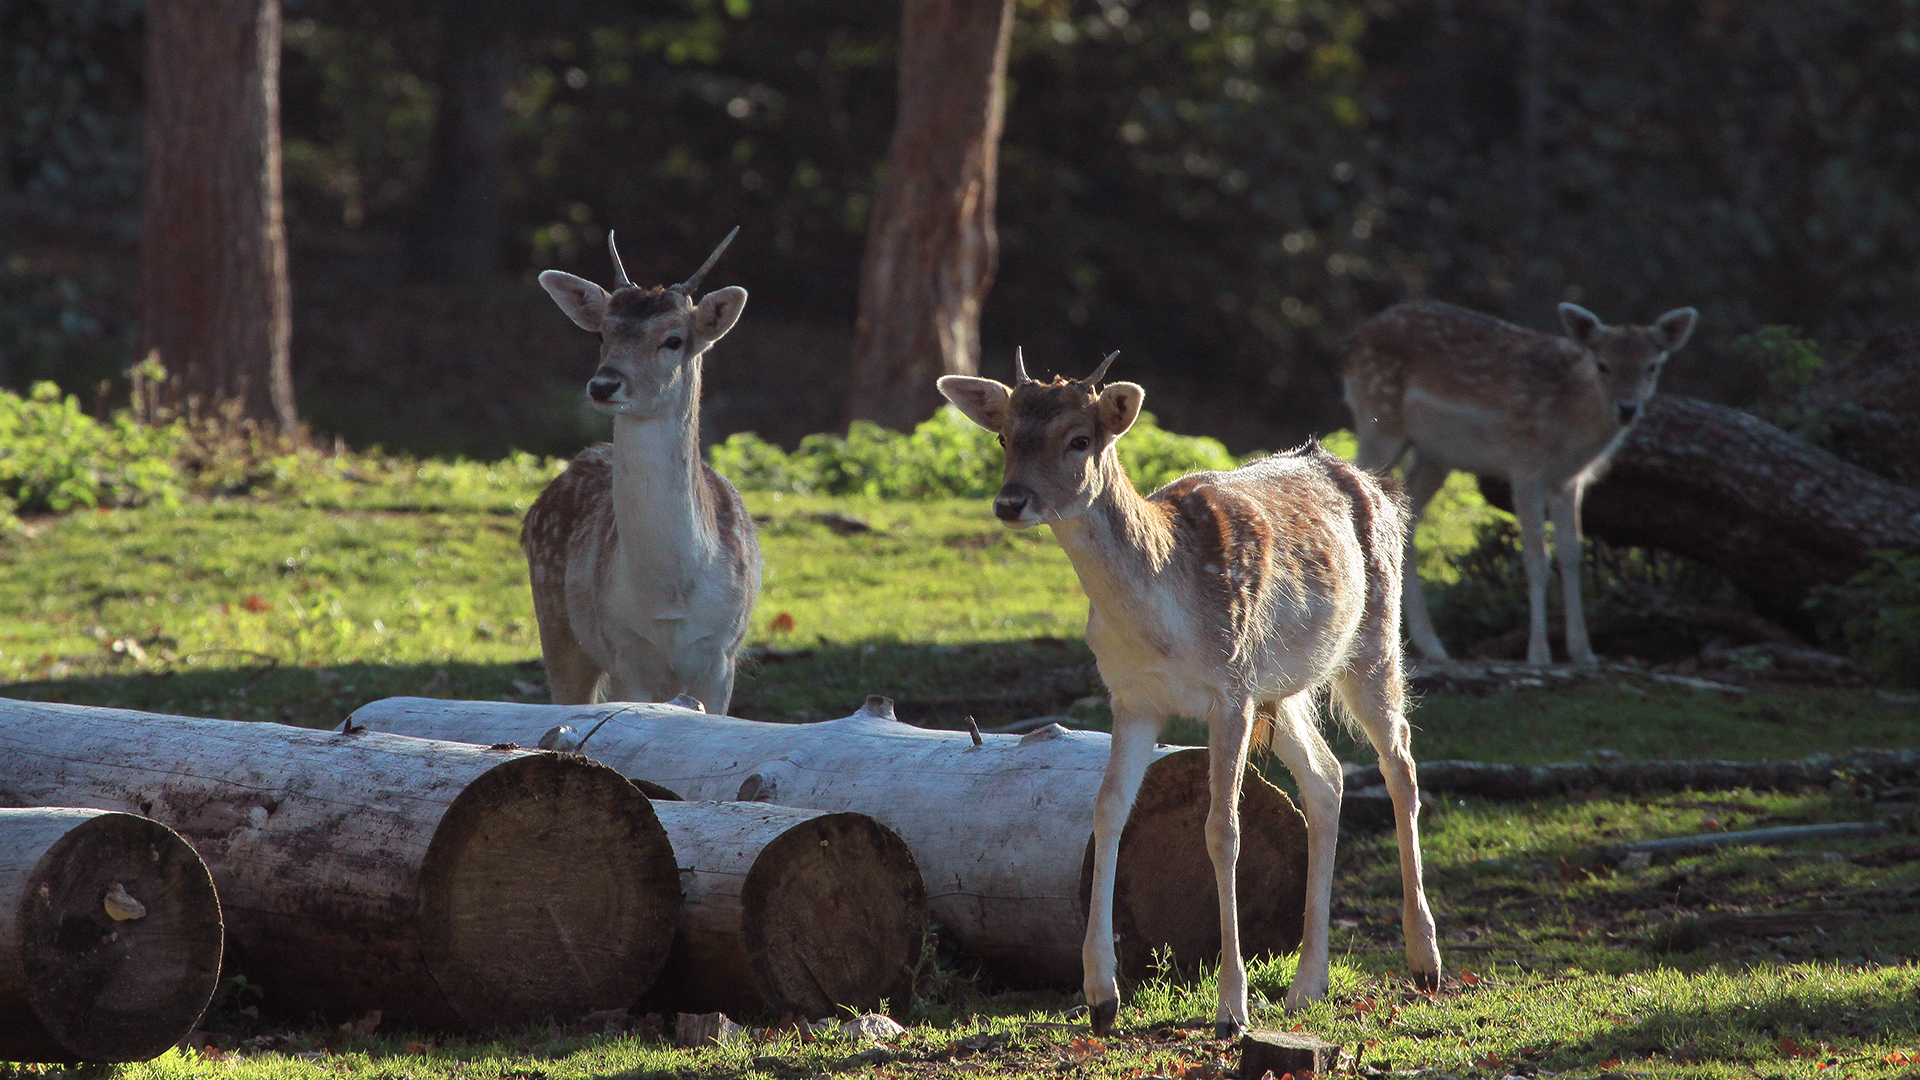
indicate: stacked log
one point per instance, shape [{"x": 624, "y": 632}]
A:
[
  {"x": 109, "y": 936},
  {"x": 1001, "y": 826},
  {"x": 788, "y": 911},
  {"x": 447, "y": 885}
]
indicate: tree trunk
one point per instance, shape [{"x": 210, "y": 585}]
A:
[
  {"x": 788, "y": 910},
  {"x": 446, "y": 885},
  {"x": 931, "y": 248},
  {"x": 1002, "y": 831},
  {"x": 109, "y": 936},
  {"x": 213, "y": 248},
  {"x": 458, "y": 237},
  {"x": 1777, "y": 515}
]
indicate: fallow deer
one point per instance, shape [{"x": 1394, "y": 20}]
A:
[
  {"x": 1467, "y": 391},
  {"x": 1232, "y": 597},
  {"x": 643, "y": 560}
]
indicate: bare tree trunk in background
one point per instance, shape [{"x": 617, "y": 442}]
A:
[
  {"x": 213, "y": 248},
  {"x": 931, "y": 249},
  {"x": 458, "y": 234},
  {"x": 1534, "y": 300}
]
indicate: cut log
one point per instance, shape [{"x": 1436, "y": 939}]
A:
[
  {"x": 1282, "y": 1053},
  {"x": 1002, "y": 830},
  {"x": 1494, "y": 780},
  {"x": 1787, "y": 834},
  {"x": 446, "y": 885},
  {"x": 109, "y": 936},
  {"x": 1777, "y": 515},
  {"x": 788, "y": 911}
]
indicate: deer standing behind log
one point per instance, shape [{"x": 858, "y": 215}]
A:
[
  {"x": 643, "y": 560},
  {"x": 1233, "y": 597},
  {"x": 1464, "y": 390}
]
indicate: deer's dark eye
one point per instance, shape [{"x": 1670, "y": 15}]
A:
[
  {"x": 1603, "y": 366},
  {"x": 672, "y": 342},
  {"x": 1080, "y": 442},
  {"x": 1001, "y": 439}
]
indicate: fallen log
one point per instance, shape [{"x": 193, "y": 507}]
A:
[
  {"x": 1786, "y": 834},
  {"x": 447, "y": 885},
  {"x": 1777, "y": 515},
  {"x": 788, "y": 911},
  {"x": 1001, "y": 829},
  {"x": 1488, "y": 780},
  {"x": 109, "y": 936}
]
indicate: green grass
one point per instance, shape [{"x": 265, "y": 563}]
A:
[{"x": 410, "y": 581}]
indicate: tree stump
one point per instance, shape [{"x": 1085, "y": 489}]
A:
[
  {"x": 1002, "y": 831},
  {"x": 446, "y": 885},
  {"x": 788, "y": 910},
  {"x": 1284, "y": 1052},
  {"x": 109, "y": 936}
]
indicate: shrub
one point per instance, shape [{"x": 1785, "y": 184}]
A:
[
  {"x": 947, "y": 456},
  {"x": 55, "y": 457},
  {"x": 1877, "y": 613}
]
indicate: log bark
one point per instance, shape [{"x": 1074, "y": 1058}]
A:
[
  {"x": 110, "y": 936},
  {"x": 1002, "y": 831},
  {"x": 446, "y": 885},
  {"x": 1780, "y": 517},
  {"x": 788, "y": 911},
  {"x": 213, "y": 245},
  {"x": 931, "y": 248}
]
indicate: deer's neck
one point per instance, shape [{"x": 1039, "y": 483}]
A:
[
  {"x": 661, "y": 501},
  {"x": 1121, "y": 545}
]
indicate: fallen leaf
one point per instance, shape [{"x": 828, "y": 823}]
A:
[
  {"x": 1469, "y": 977},
  {"x": 416, "y": 1048},
  {"x": 782, "y": 624},
  {"x": 254, "y": 602}
]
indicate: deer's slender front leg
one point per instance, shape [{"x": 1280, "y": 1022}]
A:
[
  {"x": 1299, "y": 744},
  {"x": 1530, "y": 506},
  {"x": 1227, "y": 760},
  {"x": 1133, "y": 735},
  {"x": 1567, "y": 551}
]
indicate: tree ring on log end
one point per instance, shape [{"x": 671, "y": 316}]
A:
[
  {"x": 833, "y": 912},
  {"x": 1163, "y": 894},
  {"x": 549, "y": 889},
  {"x": 106, "y": 989}
]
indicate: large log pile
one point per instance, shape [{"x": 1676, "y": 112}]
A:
[
  {"x": 788, "y": 911},
  {"x": 109, "y": 936},
  {"x": 447, "y": 885},
  {"x": 1777, "y": 515},
  {"x": 1001, "y": 827}
]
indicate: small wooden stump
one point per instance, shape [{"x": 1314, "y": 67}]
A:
[
  {"x": 1283, "y": 1052},
  {"x": 110, "y": 936}
]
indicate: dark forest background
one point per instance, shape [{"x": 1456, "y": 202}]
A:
[{"x": 1221, "y": 190}]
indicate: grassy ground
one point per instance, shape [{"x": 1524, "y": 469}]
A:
[{"x": 301, "y": 613}]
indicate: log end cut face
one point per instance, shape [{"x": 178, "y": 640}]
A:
[
  {"x": 118, "y": 935},
  {"x": 833, "y": 911},
  {"x": 549, "y": 889},
  {"x": 1164, "y": 897}
]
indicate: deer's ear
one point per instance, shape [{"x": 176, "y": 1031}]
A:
[
  {"x": 983, "y": 401},
  {"x": 583, "y": 301},
  {"x": 717, "y": 312},
  {"x": 1580, "y": 323},
  {"x": 1119, "y": 408},
  {"x": 1675, "y": 327}
]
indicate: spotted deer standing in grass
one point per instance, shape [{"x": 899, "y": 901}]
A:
[
  {"x": 1467, "y": 391},
  {"x": 643, "y": 560},
  {"x": 1233, "y": 597}
]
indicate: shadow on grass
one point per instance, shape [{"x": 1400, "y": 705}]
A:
[{"x": 932, "y": 685}]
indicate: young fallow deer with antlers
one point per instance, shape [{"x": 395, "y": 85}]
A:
[
  {"x": 643, "y": 560},
  {"x": 1232, "y": 597},
  {"x": 1467, "y": 391}
]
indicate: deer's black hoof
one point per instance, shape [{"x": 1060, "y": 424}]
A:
[
  {"x": 1227, "y": 1029},
  {"x": 1427, "y": 981},
  {"x": 1101, "y": 1016}
]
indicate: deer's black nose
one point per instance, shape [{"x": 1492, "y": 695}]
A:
[
  {"x": 1626, "y": 410},
  {"x": 1009, "y": 507},
  {"x": 603, "y": 389}
]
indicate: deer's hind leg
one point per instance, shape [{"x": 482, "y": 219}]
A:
[
  {"x": 1374, "y": 693},
  {"x": 1300, "y": 746},
  {"x": 1426, "y": 474}
]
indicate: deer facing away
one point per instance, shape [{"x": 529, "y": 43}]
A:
[
  {"x": 1232, "y": 597},
  {"x": 643, "y": 560},
  {"x": 1463, "y": 390}
]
